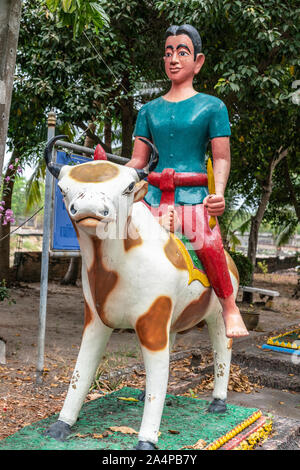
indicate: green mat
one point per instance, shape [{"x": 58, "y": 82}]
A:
[{"x": 188, "y": 417}]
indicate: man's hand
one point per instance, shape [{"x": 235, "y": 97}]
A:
[{"x": 215, "y": 204}]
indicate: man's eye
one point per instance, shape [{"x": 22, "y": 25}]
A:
[{"x": 182, "y": 53}]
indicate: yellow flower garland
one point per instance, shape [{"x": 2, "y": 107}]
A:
[{"x": 240, "y": 427}]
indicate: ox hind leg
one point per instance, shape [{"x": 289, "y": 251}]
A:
[
  {"x": 222, "y": 357},
  {"x": 93, "y": 344}
]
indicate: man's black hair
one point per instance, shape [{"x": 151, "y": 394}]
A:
[{"x": 190, "y": 31}]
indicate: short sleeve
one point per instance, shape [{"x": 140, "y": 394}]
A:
[
  {"x": 219, "y": 125},
  {"x": 141, "y": 126}
]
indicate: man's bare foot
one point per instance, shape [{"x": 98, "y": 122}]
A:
[
  {"x": 170, "y": 220},
  {"x": 234, "y": 323}
]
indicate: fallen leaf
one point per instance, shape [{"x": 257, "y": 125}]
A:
[
  {"x": 127, "y": 399},
  {"x": 201, "y": 444},
  {"x": 123, "y": 429},
  {"x": 172, "y": 431}
]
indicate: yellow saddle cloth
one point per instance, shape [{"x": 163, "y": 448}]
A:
[{"x": 193, "y": 264}]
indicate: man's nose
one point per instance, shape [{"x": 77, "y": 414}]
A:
[{"x": 174, "y": 58}]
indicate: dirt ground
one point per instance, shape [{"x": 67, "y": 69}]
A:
[{"x": 23, "y": 402}]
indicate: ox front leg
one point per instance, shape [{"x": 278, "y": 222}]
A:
[
  {"x": 172, "y": 338},
  {"x": 222, "y": 357},
  {"x": 94, "y": 341},
  {"x": 152, "y": 329},
  {"x": 157, "y": 374}
]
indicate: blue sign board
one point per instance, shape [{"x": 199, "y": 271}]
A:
[{"x": 63, "y": 234}]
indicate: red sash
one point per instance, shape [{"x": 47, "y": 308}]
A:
[{"x": 168, "y": 180}]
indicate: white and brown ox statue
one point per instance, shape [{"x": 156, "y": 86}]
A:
[{"x": 132, "y": 281}]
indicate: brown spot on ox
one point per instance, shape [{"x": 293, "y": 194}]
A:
[
  {"x": 88, "y": 316},
  {"x": 151, "y": 327},
  {"x": 193, "y": 313},
  {"x": 132, "y": 237},
  {"x": 94, "y": 173},
  {"x": 174, "y": 254},
  {"x": 102, "y": 281}
]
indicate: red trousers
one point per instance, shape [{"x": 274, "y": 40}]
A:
[{"x": 206, "y": 242}]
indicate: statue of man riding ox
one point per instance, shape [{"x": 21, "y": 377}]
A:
[{"x": 133, "y": 281}]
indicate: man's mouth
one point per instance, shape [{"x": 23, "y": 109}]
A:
[{"x": 175, "y": 70}]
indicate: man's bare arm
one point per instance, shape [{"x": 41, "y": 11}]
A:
[
  {"x": 140, "y": 154},
  {"x": 221, "y": 163}
]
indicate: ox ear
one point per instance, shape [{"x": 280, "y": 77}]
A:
[{"x": 140, "y": 190}]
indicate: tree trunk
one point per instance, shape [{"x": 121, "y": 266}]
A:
[
  {"x": 10, "y": 15},
  {"x": 71, "y": 275},
  {"x": 108, "y": 134},
  {"x": 88, "y": 141},
  {"x": 127, "y": 115},
  {"x": 5, "y": 229},
  {"x": 290, "y": 187},
  {"x": 258, "y": 217}
]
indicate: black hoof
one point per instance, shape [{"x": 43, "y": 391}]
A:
[
  {"x": 217, "y": 406},
  {"x": 145, "y": 445},
  {"x": 59, "y": 431},
  {"x": 141, "y": 396}
]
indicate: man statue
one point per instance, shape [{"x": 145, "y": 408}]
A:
[{"x": 180, "y": 124}]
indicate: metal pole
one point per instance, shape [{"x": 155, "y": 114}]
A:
[
  {"x": 45, "y": 260},
  {"x": 89, "y": 151}
]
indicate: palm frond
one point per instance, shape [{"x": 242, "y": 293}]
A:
[
  {"x": 285, "y": 233},
  {"x": 35, "y": 185}
]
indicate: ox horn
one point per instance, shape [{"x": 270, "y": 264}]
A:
[
  {"x": 153, "y": 161},
  {"x": 54, "y": 168}
]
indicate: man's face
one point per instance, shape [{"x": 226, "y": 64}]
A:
[{"x": 179, "y": 58}]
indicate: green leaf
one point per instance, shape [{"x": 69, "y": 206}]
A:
[
  {"x": 52, "y": 4},
  {"x": 66, "y": 5}
]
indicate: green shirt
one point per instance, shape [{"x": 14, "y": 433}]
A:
[{"x": 181, "y": 131}]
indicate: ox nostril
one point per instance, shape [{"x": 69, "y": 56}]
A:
[{"x": 73, "y": 210}]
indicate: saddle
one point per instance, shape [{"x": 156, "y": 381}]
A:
[{"x": 194, "y": 265}]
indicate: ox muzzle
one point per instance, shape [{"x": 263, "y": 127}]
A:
[{"x": 100, "y": 207}]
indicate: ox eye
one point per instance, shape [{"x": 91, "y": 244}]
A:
[
  {"x": 62, "y": 192},
  {"x": 130, "y": 188}
]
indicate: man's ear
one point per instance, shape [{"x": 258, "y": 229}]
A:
[
  {"x": 200, "y": 59},
  {"x": 140, "y": 190}
]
